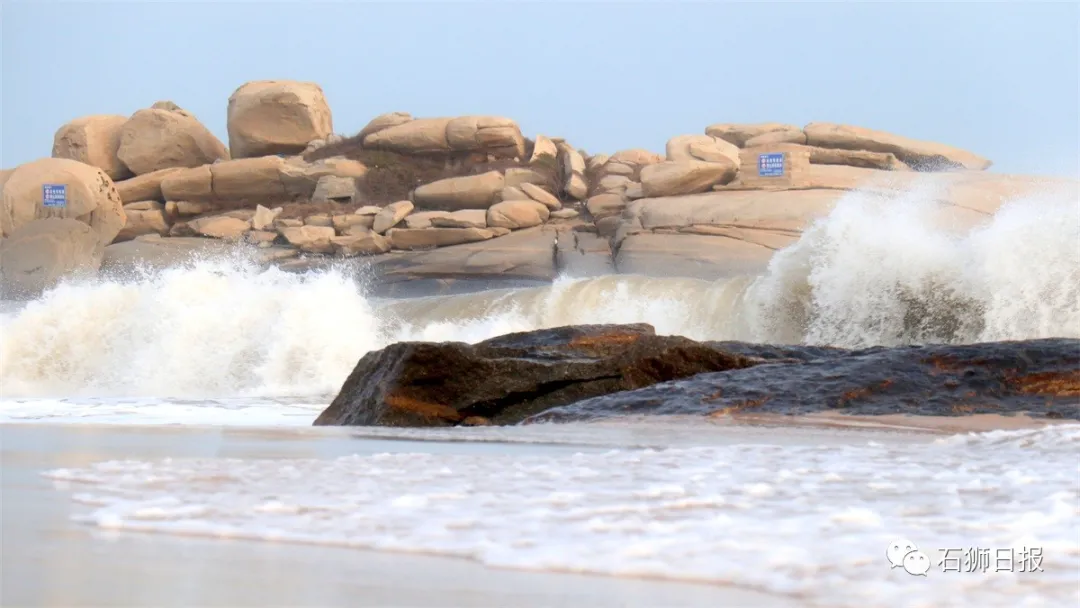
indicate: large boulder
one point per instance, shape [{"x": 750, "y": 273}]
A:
[
  {"x": 221, "y": 227},
  {"x": 144, "y": 217},
  {"x": 94, "y": 140},
  {"x": 511, "y": 377},
  {"x": 383, "y": 121},
  {"x": 367, "y": 243},
  {"x": 573, "y": 167},
  {"x": 156, "y": 138},
  {"x": 311, "y": 239},
  {"x": 1034, "y": 378},
  {"x": 920, "y": 155},
  {"x": 429, "y": 238},
  {"x": 391, "y": 215},
  {"x": 91, "y": 197},
  {"x": 453, "y": 193},
  {"x": 702, "y": 147},
  {"x": 417, "y": 136},
  {"x": 277, "y": 117},
  {"x": 40, "y": 253},
  {"x": 740, "y": 134},
  {"x": 517, "y": 214},
  {"x": 672, "y": 178},
  {"x": 492, "y": 134},
  {"x": 146, "y": 187}
]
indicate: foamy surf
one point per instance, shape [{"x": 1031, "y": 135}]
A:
[
  {"x": 808, "y": 521},
  {"x": 878, "y": 270}
]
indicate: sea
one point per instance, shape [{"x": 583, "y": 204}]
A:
[{"x": 811, "y": 517}]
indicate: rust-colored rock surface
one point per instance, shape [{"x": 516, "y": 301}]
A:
[
  {"x": 1036, "y": 377},
  {"x": 510, "y": 377}
]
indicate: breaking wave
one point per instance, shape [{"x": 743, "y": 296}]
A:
[{"x": 877, "y": 271}]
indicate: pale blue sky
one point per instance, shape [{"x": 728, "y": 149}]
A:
[{"x": 998, "y": 79}]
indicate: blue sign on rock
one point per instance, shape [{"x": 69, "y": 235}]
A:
[
  {"x": 54, "y": 195},
  {"x": 770, "y": 165}
]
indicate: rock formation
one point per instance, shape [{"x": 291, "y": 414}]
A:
[
  {"x": 493, "y": 202},
  {"x": 598, "y": 371}
]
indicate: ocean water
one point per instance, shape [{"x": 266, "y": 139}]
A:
[{"x": 219, "y": 342}]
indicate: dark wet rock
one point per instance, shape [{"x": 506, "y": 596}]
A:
[
  {"x": 508, "y": 378},
  {"x": 1038, "y": 377}
]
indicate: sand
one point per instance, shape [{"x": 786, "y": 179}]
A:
[{"x": 50, "y": 561}]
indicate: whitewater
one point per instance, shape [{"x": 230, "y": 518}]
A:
[{"x": 225, "y": 342}]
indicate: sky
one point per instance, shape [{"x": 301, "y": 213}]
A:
[{"x": 998, "y": 79}]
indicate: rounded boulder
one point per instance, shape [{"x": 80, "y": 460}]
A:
[
  {"x": 277, "y": 117},
  {"x": 87, "y": 195}
]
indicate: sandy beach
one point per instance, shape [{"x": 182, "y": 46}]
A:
[{"x": 51, "y": 561}]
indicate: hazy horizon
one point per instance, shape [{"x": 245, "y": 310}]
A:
[{"x": 1000, "y": 80}]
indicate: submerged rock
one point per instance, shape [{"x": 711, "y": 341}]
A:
[
  {"x": 1037, "y": 377},
  {"x": 510, "y": 377}
]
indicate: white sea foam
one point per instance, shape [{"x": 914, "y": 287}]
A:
[
  {"x": 878, "y": 270},
  {"x": 812, "y": 521}
]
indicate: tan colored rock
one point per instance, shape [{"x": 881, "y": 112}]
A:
[
  {"x": 144, "y": 217},
  {"x": 466, "y": 218},
  {"x": 498, "y": 231},
  {"x": 195, "y": 184},
  {"x": 516, "y": 176},
  {"x": 220, "y": 227},
  {"x": 368, "y": 210},
  {"x": 604, "y": 205},
  {"x": 573, "y": 168},
  {"x": 739, "y": 134},
  {"x": 920, "y": 155},
  {"x": 516, "y": 215},
  {"x": 91, "y": 197},
  {"x": 300, "y": 177},
  {"x": 391, "y": 215},
  {"x": 333, "y": 188},
  {"x": 282, "y": 223},
  {"x": 383, "y": 121},
  {"x": 40, "y": 253},
  {"x": 422, "y": 219},
  {"x": 512, "y": 193},
  {"x": 470, "y": 192},
  {"x": 344, "y": 221},
  {"x": 494, "y": 134},
  {"x": 418, "y": 136},
  {"x": 856, "y": 158},
  {"x": 93, "y": 140},
  {"x": 319, "y": 219},
  {"x": 248, "y": 180},
  {"x": 544, "y": 147},
  {"x": 614, "y": 183},
  {"x": 564, "y": 214},
  {"x": 429, "y": 238},
  {"x": 368, "y": 243},
  {"x": 189, "y": 208},
  {"x": 671, "y": 178},
  {"x": 144, "y": 206},
  {"x": 777, "y": 137},
  {"x": 593, "y": 163},
  {"x": 635, "y": 156},
  {"x": 311, "y": 239},
  {"x": 152, "y": 140},
  {"x": 633, "y": 191},
  {"x": 358, "y": 229},
  {"x": 541, "y": 196},
  {"x": 261, "y": 237},
  {"x": 616, "y": 168},
  {"x": 146, "y": 187},
  {"x": 277, "y": 117},
  {"x": 702, "y": 147},
  {"x": 264, "y": 217}
]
